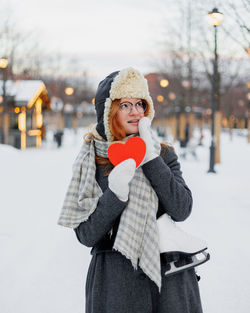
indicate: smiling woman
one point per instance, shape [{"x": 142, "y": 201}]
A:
[
  {"x": 116, "y": 212},
  {"x": 131, "y": 110}
]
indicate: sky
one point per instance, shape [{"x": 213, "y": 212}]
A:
[
  {"x": 102, "y": 35},
  {"x": 107, "y": 35}
]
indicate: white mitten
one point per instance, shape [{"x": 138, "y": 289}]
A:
[
  {"x": 120, "y": 177},
  {"x": 145, "y": 134}
]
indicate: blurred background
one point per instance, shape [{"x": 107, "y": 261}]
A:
[{"x": 195, "y": 56}]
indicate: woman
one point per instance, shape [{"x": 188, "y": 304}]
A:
[{"x": 114, "y": 209}]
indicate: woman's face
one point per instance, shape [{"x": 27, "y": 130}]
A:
[{"x": 129, "y": 120}]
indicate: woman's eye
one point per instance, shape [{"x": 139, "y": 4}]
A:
[
  {"x": 124, "y": 106},
  {"x": 139, "y": 104}
]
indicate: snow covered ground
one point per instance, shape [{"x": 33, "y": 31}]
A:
[{"x": 43, "y": 267}]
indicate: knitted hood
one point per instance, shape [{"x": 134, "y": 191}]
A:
[{"x": 127, "y": 83}]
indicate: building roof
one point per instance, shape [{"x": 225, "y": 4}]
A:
[{"x": 25, "y": 92}]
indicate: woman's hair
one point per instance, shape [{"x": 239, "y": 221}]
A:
[
  {"x": 118, "y": 132},
  {"x": 116, "y": 129}
]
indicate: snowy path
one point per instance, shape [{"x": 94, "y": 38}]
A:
[
  {"x": 221, "y": 215},
  {"x": 43, "y": 267}
]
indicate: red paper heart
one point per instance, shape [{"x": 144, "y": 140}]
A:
[{"x": 134, "y": 148}]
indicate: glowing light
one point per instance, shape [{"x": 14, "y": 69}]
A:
[
  {"x": 38, "y": 105},
  {"x": 215, "y": 17},
  {"x": 69, "y": 91},
  {"x": 38, "y": 141},
  {"x": 93, "y": 100},
  {"x": 164, "y": 83},
  {"x": 3, "y": 63},
  {"x": 17, "y": 110},
  {"x": 39, "y": 120},
  {"x": 160, "y": 98},
  {"x": 23, "y": 140},
  {"x": 34, "y": 132},
  {"x": 172, "y": 95},
  {"x": 22, "y": 121},
  {"x": 186, "y": 83}
]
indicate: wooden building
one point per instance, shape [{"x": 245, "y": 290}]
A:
[{"x": 23, "y": 108}]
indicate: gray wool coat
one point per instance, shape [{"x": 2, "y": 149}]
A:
[{"x": 112, "y": 284}]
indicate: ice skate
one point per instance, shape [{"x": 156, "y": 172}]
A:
[{"x": 173, "y": 239}]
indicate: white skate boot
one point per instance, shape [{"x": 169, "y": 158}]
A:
[{"x": 174, "y": 239}]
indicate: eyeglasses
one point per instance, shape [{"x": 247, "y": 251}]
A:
[{"x": 140, "y": 106}]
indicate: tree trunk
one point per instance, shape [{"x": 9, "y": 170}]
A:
[
  {"x": 182, "y": 125},
  {"x": 191, "y": 121}
]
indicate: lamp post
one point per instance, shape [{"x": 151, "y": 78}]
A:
[
  {"x": 3, "y": 68},
  {"x": 215, "y": 19}
]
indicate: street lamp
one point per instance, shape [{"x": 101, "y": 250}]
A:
[
  {"x": 215, "y": 18},
  {"x": 3, "y": 63},
  {"x": 3, "y": 67}
]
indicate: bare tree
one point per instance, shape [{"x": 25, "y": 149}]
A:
[
  {"x": 180, "y": 57},
  {"x": 238, "y": 14},
  {"x": 19, "y": 46}
]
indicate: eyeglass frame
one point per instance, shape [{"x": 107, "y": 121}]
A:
[{"x": 144, "y": 106}]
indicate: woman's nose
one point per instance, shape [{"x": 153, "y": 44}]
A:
[{"x": 133, "y": 110}]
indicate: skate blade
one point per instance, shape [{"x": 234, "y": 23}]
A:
[{"x": 197, "y": 259}]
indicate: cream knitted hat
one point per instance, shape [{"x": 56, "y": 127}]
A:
[{"x": 127, "y": 83}]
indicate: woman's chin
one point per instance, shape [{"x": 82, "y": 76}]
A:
[{"x": 132, "y": 130}]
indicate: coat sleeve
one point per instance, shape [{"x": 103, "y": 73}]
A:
[
  {"x": 100, "y": 222},
  {"x": 165, "y": 176}
]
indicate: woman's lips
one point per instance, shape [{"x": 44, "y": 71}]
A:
[{"x": 133, "y": 122}]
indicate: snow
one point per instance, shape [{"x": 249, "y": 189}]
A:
[
  {"x": 23, "y": 90},
  {"x": 43, "y": 267}
]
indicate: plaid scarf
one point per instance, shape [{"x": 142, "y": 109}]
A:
[{"x": 137, "y": 236}]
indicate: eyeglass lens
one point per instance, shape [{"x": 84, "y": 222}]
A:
[{"x": 127, "y": 106}]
